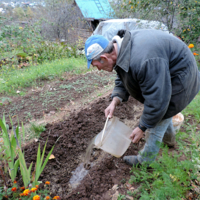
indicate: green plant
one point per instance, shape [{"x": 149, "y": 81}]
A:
[
  {"x": 10, "y": 144},
  {"x": 37, "y": 129},
  {"x": 25, "y": 172},
  {"x": 29, "y": 193},
  {"x": 12, "y": 157},
  {"x": 22, "y": 41},
  {"x": 189, "y": 17},
  {"x": 169, "y": 177},
  {"x": 39, "y": 166},
  {"x": 120, "y": 197}
]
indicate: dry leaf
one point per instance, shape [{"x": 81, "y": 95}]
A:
[
  {"x": 51, "y": 157},
  {"x": 132, "y": 188}
]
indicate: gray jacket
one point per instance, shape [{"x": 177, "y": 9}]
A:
[{"x": 159, "y": 70}]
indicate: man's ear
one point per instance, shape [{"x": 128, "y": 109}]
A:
[{"x": 104, "y": 57}]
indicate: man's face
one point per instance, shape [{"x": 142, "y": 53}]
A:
[{"x": 105, "y": 64}]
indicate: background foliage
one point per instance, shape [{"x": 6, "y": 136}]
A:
[{"x": 182, "y": 17}]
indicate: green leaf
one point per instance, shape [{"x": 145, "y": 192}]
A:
[
  {"x": 39, "y": 167},
  {"x": 47, "y": 158}
]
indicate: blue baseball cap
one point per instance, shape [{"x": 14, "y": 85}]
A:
[{"x": 94, "y": 45}]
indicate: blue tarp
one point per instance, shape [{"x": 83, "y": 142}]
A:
[{"x": 96, "y": 9}]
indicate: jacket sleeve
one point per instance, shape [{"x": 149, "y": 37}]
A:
[
  {"x": 155, "y": 83},
  {"x": 119, "y": 90}
]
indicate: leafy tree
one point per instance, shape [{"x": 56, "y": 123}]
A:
[
  {"x": 180, "y": 16},
  {"x": 29, "y": 13},
  {"x": 19, "y": 13}
]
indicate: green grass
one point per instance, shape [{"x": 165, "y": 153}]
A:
[
  {"x": 193, "y": 108},
  {"x": 12, "y": 80}
]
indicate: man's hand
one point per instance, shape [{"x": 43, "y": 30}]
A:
[
  {"x": 136, "y": 135},
  {"x": 111, "y": 108}
]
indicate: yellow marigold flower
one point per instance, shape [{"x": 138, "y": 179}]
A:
[
  {"x": 26, "y": 192},
  {"x": 173, "y": 178},
  {"x": 37, "y": 197},
  {"x": 47, "y": 198},
  {"x": 131, "y": 7},
  {"x": 47, "y": 183},
  {"x": 56, "y": 197},
  {"x": 195, "y": 54},
  {"x": 33, "y": 189},
  {"x": 190, "y": 46},
  {"x": 20, "y": 28},
  {"x": 188, "y": 29},
  {"x": 15, "y": 182},
  {"x": 14, "y": 189}
]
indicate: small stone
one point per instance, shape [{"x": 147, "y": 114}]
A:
[
  {"x": 115, "y": 187},
  {"x": 129, "y": 197},
  {"x": 128, "y": 185}
]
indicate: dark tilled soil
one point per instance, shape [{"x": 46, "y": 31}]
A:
[
  {"x": 52, "y": 96},
  {"x": 74, "y": 135}
]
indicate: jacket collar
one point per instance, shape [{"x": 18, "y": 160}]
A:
[{"x": 124, "y": 56}]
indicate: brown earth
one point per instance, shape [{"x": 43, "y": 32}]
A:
[
  {"x": 74, "y": 112},
  {"x": 74, "y": 135}
]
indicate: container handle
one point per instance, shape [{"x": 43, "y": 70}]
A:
[{"x": 104, "y": 129}]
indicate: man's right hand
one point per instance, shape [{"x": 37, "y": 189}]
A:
[{"x": 111, "y": 108}]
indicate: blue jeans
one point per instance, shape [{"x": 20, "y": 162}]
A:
[{"x": 162, "y": 132}]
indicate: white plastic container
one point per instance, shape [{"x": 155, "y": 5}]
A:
[
  {"x": 177, "y": 121},
  {"x": 115, "y": 139}
]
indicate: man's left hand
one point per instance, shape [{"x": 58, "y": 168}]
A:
[{"x": 136, "y": 135}]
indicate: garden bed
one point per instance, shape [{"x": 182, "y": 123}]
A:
[{"x": 74, "y": 135}]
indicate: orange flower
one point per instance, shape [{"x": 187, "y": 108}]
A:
[
  {"x": 37, "y": 186},
  {"x": 21, "y": 194},
  {"x": 47, "y": 183},
  {"x": 47, "y": 198},
  {"x": 37, "y": 197},
  {"x": 190, "y": 46},
  {"x": 33, "y": 189},
  {"x": 14, "y": 189},
  {"x": 56, "y": 197},
  {"x": 26, "y": 192},
  {"x": 15, "y": 182},
  {"x": 195, "y": 54},
  {"x": 22, "y": 188}
]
